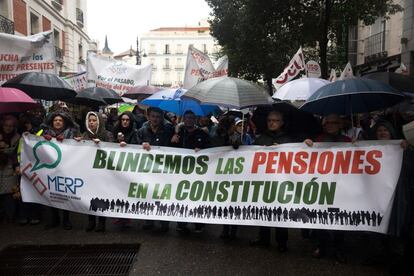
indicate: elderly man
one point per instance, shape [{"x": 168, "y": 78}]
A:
[
  {"x": 273, "y": 135},
  {"x": 331, "y": 126}
]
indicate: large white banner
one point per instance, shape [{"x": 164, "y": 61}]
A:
[
  {"x": 116, "y": 75},
  {"x": 78, "y": 81},
  {"x": 199, "y": 67},
  {"x": 20, "y": 54},
  {"x": 329, "y": 186},
  {"x": 296, "y": 64}
]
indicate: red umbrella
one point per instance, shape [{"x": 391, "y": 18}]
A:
[
  {"x": 15, "y": 100},
  {"x": 141, "y": 92}
]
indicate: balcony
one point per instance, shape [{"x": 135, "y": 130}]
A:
[
  {"x": 179, "y": 67},
  {"x": 79, "y": 17},
  {"x": 6, "y": 25},
  {"x": 59, "y": 54},
  {"x": 376, "y": 46},
  {"x": 57, "y": 4}
]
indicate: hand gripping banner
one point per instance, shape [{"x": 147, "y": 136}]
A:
[{"x": 328, "y": 186}]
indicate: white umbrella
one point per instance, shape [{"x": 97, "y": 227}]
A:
[
  {"x": 229, "y": 92},
  {"x": 300, "y": 89}
]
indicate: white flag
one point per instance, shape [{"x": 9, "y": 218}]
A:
[
  {"x": 199, "y": 67},
  {"x": 332, "y": 76},
  {"x": 78, "y": 81},
  {"x": 20, "y": 54},
  {"x": 296, "y": 64},
  {"x": 347, "y": 73},
  {"x": 116, "y": 75},
  {"x": 402, "y": 69}
]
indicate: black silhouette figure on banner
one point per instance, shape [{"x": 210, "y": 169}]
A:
[{"x": 331, "y": 216}]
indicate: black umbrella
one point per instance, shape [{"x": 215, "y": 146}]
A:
[
  {"x": 108, "y": 95},
  {"x": 43, "y": 86},
  {"x": 91, "y": 100},
  {"x": 400, "y": 82},
  {"x": 297, "y": 123}
]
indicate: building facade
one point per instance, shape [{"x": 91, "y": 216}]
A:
[
  {"x": 384, "y": 45},
  {"x": 66, "y": 18},
  {"x": 166, "y": 49}
]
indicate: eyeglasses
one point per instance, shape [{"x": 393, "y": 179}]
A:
[
  {"x": 124, "y": 119},
  {"x": 331, "y": 123}
]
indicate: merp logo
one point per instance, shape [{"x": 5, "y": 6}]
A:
[{"x": 47, "y": 155}]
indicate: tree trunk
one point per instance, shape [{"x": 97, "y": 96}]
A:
[
  {"x": 323, "y": 40},
  {"x": 269, "y": 85}
]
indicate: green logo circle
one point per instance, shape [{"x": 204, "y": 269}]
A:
[{"x": 39, "y": 165}]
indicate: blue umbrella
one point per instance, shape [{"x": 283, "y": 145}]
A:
[
  {"x": 352, "y": 96},
  {"x": 170, "y": 100}
]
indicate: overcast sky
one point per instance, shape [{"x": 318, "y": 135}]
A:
[{"x": 124, "y": 20}]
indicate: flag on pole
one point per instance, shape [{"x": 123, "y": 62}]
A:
[
  {"x": 402, "y": 69},
  {"x": 296, "y": 65},
  {"x": 347, "y": 73},
  {"x": 199, "y": 67},
  {"x": 332, "y": 76}
]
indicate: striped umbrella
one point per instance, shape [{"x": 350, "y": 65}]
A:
[{"x": 229, "y": 92}]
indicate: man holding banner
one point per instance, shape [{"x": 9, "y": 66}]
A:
[{"x": 274, "y": 135}]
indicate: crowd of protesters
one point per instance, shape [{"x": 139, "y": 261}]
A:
[{"x": 154, "y": 127}]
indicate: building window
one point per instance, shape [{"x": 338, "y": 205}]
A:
[
  {"x": 167, "y": 63},
  {"x": 34, "y": 24},
  {"x": 152, "y": 61},
  {"x": 80, "y": 51},
  {"x": 167, "y": 49},
  {"x": 167, "y": 79},
  {"x": 58, "y": 49},
  {"x": 352, "y": 44},
  {"x": 6, "y": 25},
  {"x": 179, "y": 78},
  {"x": 4, "y": 10},
  {"x": 56, "y": 36},
  {"x": 152, "y": 50},
  {"x": 179, "y": 63},
  {"x": 205, "y": 48},
  {"x": 377, "y": 43},
  {"x": 179, "y": 49}
]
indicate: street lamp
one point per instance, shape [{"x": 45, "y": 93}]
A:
[{"x": 139, "y": 53}]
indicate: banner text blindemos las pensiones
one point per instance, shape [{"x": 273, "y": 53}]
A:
[{"x": 328, "y": 186}]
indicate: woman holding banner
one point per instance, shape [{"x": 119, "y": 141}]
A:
[
  {"x": 95, "y": 131},
  {"x": 402, "y": 211},
  {"x": 59, "y": 125}
]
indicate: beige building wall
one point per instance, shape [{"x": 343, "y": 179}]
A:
[
  {"x": 166, "y": 49},
  {"x": 66, "y": 18}
]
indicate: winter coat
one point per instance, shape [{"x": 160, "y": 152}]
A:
[
  {"x": 402, "y": 208},
  {"x": 130, "y": 133},
  {"x": 269, "y": 138},
  {"x": 8, "y": 162},
  {"x": 161, "y": 138},
  {"x": 101, "y": 133},
  {"x": 70, "y": 129}
]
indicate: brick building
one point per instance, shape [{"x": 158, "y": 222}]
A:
[{"x": 66, "y": 18}]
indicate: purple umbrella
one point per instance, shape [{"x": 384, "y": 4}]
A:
[{"x": 15, "y": 100}]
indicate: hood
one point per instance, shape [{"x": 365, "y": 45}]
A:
[
  {"x": 101, "y": 124},
  {"x": 387, "y": 125},
  {"x": 69, "y": 122},
  {"x": 118, "y": 127}
]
